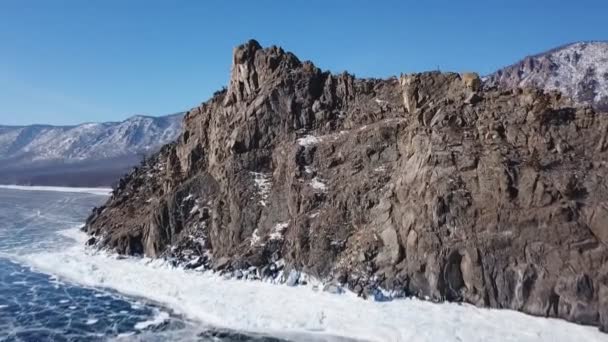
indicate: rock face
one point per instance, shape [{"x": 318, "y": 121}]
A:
[
  {"x": 578, "y": 70},
  {"x": 423, "y": 184}
]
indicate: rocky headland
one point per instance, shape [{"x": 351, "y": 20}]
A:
[{"x": 431, "y": 185}]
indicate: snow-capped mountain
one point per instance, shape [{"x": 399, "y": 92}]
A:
[
  {"x": 89, "y": 154},
  {"x": 89, "y": 141},
  {"x": 578, "y": 70}
]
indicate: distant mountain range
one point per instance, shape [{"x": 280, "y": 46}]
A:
[
  {"x": 86, "y": 154},
  {"x": 578, "y": 70}
]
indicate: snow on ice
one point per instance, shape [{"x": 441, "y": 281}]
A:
[{"x": 256, "y": 306}]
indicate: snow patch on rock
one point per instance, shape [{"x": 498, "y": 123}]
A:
[
  {"x": 263, "y": 184},
  {"x": 308, "y": 140},
  {"x": 255, "y": 238},
  {"x": 317, "y": 184},
  {"x": 278, "y": 230}
]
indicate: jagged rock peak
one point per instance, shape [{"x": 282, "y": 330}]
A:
[
  {"x": 253, "y": 65},
  {"x": 245, "y": 52}
]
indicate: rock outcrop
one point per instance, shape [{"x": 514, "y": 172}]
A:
[{"x": 424, "y": 184}]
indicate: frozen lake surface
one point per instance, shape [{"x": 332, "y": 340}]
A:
[{"x": 40, "y": 306}]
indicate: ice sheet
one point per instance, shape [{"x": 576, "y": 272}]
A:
[{"x": 94, "y": 191}]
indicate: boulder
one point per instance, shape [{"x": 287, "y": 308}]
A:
[{"x": 292, "y": 278}]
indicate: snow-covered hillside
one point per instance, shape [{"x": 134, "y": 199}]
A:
[
  {"x": 87, "y": 142},
  {"x": 578, "y": 70}
]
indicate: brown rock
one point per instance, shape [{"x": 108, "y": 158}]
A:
[
  {"x": 471, "y": 80},
  {"x": 409, "y": 183}
]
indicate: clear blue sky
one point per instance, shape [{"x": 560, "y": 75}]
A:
[{"x": 64, "y": 62}]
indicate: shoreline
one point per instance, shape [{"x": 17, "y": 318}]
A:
[
  {"x": 210, "y": 299},
  {"x": 93, "y": 191}
]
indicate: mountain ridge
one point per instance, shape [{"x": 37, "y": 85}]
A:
[
  {"x": 57, "y": 155},
  {"x": 176, "y": 114},
  {"x": 88, "y": 140},
  {"x": 578, "y": 70}
]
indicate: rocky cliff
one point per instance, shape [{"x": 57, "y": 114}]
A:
[{"x": 424, "y": 184}]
